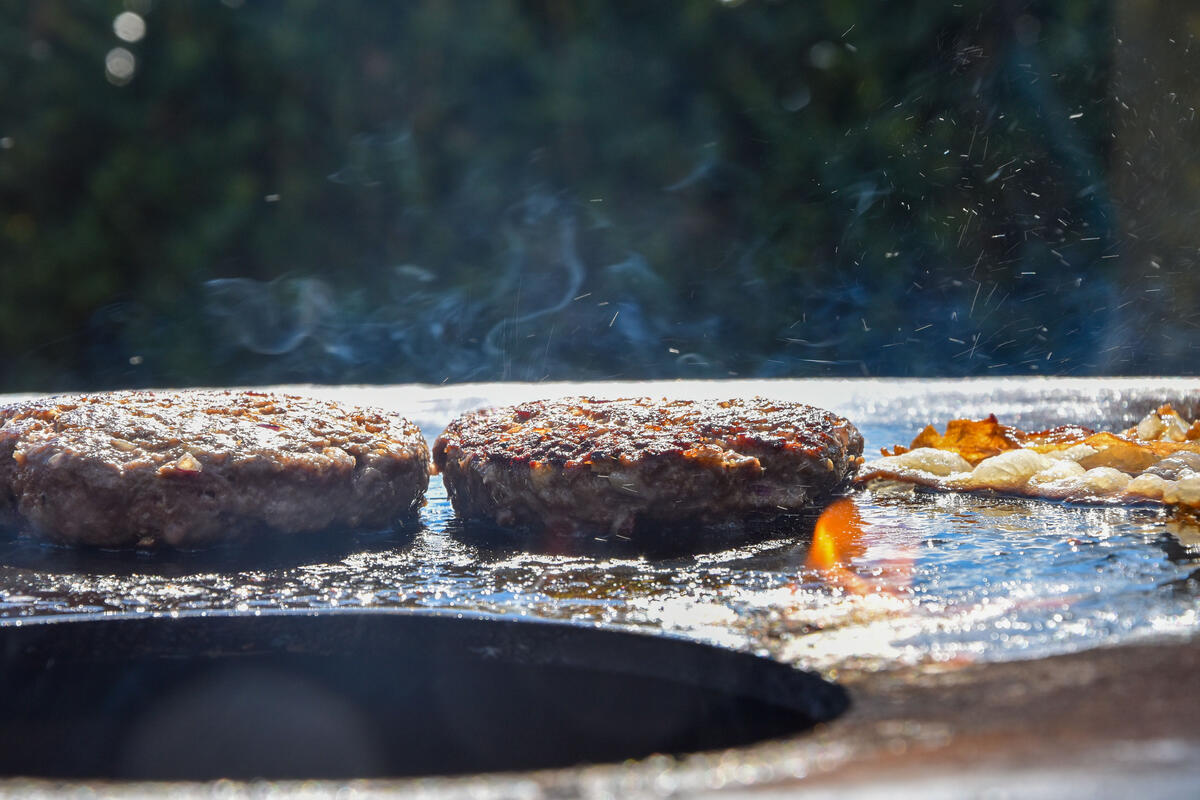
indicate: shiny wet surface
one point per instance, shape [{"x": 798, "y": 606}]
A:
[{"x": 893, "y": 579}]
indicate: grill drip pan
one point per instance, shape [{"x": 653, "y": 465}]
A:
[{"x": 346, "y": 695}]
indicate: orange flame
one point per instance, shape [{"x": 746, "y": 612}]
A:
[
  {"x": 837, "y": 535},
  {"x": 838, "y": 538}
]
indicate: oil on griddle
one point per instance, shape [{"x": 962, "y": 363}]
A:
[{"x": 878, "y": 579}]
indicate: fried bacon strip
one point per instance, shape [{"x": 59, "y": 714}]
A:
[{"x": 1155, "y": 461}]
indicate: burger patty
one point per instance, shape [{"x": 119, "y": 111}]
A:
[
  {"x": 187, "y": 468},
  {"x": 584, "y": 465}
]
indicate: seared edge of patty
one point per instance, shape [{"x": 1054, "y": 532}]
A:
[
  {"x": 589, "y": 465},
  {"x": 186, "y": 468}
]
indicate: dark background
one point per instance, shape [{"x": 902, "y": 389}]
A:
[{"x": 447, "y": 191}]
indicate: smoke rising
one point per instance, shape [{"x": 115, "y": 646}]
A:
[
  {"x": 271, "y": 318},
  {"x": 545, "y": 313}
]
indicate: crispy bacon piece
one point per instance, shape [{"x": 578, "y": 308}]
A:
[
  {"x": 1155, "y": 461},
  {"x": 973, "y": 440}
]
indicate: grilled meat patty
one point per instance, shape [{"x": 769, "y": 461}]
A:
[
  {"x": 606, "y": 466},
  {"x": 187, "y": 468}
]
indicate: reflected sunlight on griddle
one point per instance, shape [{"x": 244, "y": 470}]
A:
[{"x": 882, "y": 578}]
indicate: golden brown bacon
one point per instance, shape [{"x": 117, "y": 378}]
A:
[{"x": 1157, "y": 460}]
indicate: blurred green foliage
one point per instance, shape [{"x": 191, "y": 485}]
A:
[{"x": 528, "y": 189}]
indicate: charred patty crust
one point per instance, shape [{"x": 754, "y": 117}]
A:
[
  {"x": 187, "y": 468},
  {"x": 607, "y": 466}
]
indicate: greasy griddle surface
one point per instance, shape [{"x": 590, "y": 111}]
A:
[
  {"x": 951, "y": 683},
  {"x": 946, "y": 575}
]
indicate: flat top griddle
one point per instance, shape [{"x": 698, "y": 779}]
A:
[
  {"x": 960, "y": 577},
  {"x": 929, "y": 584}
]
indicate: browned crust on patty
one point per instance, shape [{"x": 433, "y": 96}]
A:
[
  {"x": 187, "y": 468},
  {"x": 590, "y": 465}
]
